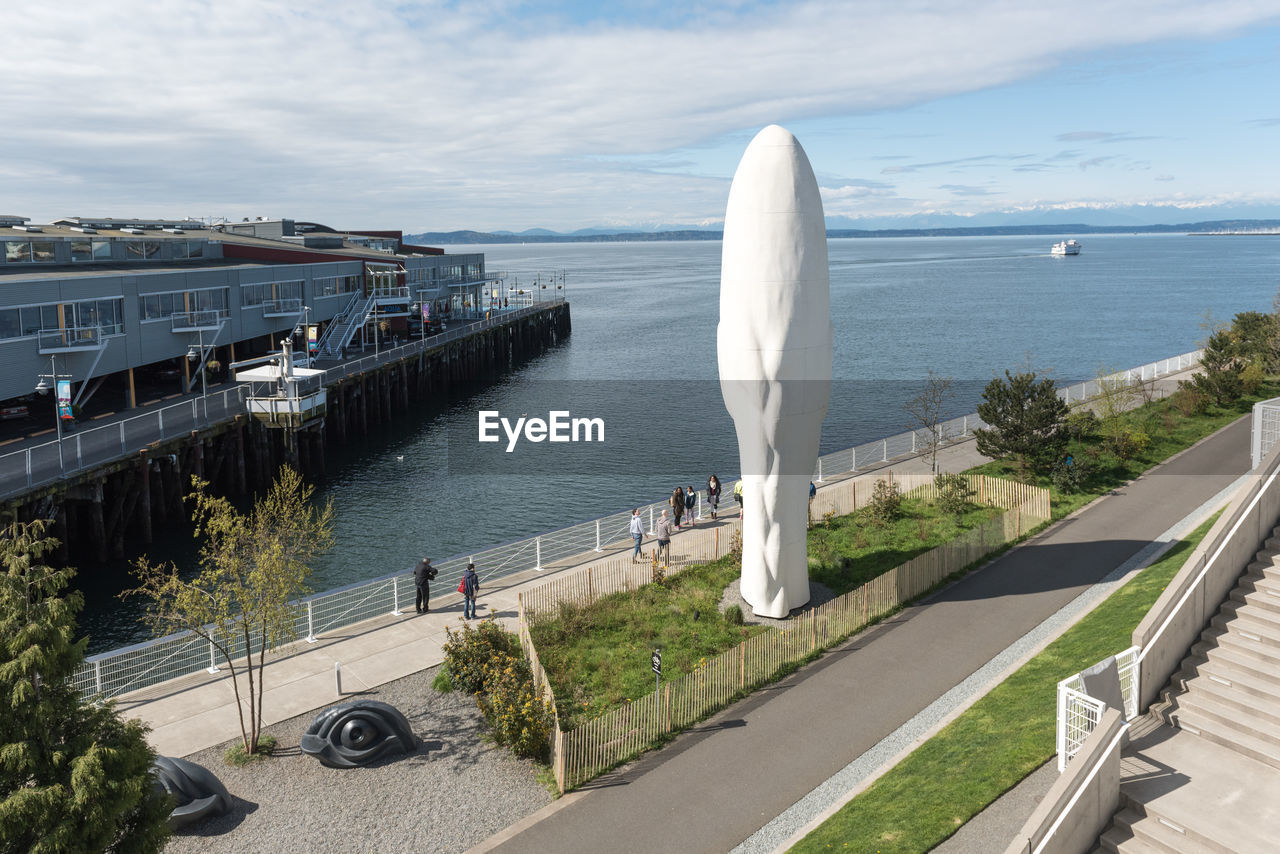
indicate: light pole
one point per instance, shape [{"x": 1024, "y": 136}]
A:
[
  {"x": 42, "y": 388},
  {"x": 305, "y": 332},
  {"x": 194, "y": 356}
]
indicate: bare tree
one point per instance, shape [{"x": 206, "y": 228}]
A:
[{"x": 925, "y": 411}]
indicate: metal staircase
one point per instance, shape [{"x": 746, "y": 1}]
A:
[{"x": 344, "y": 326}]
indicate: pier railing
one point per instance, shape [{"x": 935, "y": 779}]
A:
[
  {"x": 149, "y": 663},
  {"x": 87, "y": 447}
]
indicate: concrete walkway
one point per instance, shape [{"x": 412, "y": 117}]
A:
[{"x": 715, "y": 785}]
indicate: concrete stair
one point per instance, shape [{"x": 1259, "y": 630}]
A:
[{"x": 1208, "y": 780}]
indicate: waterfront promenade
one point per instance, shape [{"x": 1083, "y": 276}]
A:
[{"x": 199, "y": 711}]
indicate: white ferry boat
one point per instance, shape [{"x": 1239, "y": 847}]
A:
[{"x": 1066, "y": 247}]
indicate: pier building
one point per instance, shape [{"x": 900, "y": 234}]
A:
[
  {"x": 106, "y": 303},
  {"x": 135, "y": 325}
]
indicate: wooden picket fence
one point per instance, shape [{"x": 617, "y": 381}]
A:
[{"x": 595, "y": 746}]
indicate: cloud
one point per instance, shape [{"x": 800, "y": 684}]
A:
[
  {"x": 965, "y": 190},
  {"x": 977, "y": 159},
  {"x": 1265, "y": 123},
  {"x": 1094, "y": 162},
  {"x": 1164, "y": 178},
  {"x": 445, "y": 114},
  {"x": 1100, "y": 136}
]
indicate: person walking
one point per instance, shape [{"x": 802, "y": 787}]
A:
[
  {"x": 737, "y": 496},
  {"x": 637, "y": 533},
  {"x": 663, "y": 532},
  {"x": 422, "y": 575},
  {"x": 690, "y": 502},
  {"x": 713, "y": 494},
  {"x": 677, "y": 505},
  {"x": 470, "y": 587}
]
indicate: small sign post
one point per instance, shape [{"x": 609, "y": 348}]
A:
[{"x": 657, "y": 669}]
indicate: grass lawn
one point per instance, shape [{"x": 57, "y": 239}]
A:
[
  {"x": 848, "y": 551},
  {"x": 597, "y": 656},
  {"x": 995, "y": 743},
  {"x": 1169, "y": 431}
]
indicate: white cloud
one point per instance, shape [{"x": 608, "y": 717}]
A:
[{"x": 443, "y": 114}]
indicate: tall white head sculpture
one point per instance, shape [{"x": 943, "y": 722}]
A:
[{"x": 774, "y": 349}]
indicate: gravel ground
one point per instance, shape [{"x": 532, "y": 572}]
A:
[{"x": 456, "y": 791}]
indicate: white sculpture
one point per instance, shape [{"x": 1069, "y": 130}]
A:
[{"x": 774, "y": 349}]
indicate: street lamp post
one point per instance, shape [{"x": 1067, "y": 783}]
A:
[{"x": 41, "y": 388}]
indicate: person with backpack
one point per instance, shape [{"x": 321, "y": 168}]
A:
[
  {"x": 470, "y": 587},
  {"x": 690, "y": 502},
  {"x": 677, "y": 506},
  {"x": 422, "y": 575},
  {"x": 713, "y": 494},
  {"x": 737, "y": 496}
]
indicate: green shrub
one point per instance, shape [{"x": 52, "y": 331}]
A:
[
  {"x": 1082, "y": 425},
  {"x": 954, "y": 493},
  {"x": 466, "y": 652},
  {"x": 1070, "y": 477},
  {"x": 518, "y": 716},
  {"x": 443, "y": 681},
  {"x": 886, "y": 502},
  {"x": 733, "y": 615},
  {"x": 1129, "y": 443},
  {"x": 237, "y": 756}
]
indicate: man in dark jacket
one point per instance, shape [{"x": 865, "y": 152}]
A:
[
  {"x": 470, "y": 587},
  {"x": 422, "y": 575}
]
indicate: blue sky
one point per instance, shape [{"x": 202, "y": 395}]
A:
[{"x": 507, "y": 115}]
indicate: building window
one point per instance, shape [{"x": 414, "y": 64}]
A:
[
  {"x": 160, "y": 306},
  {"x": 146, "y": 250},
  {"x": 90, "y": 250},
  {"x": 262, "y": 292},
  {"x": 29, "y": 252}
]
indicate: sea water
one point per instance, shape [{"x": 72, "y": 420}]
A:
[{"x": 642, "y": 356}]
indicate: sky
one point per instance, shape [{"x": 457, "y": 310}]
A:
[{"x": 503, "y": 115}]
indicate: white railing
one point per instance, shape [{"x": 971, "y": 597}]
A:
[
  {"x": 881, "y": 451},
  {"x": 93, "y": 446},
  {"x": 1266, "y": 428},
  {"x": 151, "y": 662},
  {"x": 1079, "y": 713}
]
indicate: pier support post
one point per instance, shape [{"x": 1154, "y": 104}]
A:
[{"x": 144, "y": 497}]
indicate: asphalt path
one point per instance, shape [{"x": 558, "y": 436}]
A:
[{"x": 718, "y": 783}]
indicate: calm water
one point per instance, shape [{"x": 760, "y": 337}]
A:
[{"x": 642, "y": 354}]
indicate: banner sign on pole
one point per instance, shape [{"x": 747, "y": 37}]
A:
[
  {"x": 64, "y": 399},
  {"x": 312, "y": 343}
]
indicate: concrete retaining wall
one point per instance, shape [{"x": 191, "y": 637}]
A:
[
  {"x": 1185, "y": 607},
  {"x": 1082, "y": 801}
]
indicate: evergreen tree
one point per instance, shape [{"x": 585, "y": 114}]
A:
[
  {"x": 1025, "y": 420},
  {"x": 1220, "y": 369},
  {"x": 74, "y": 777}
]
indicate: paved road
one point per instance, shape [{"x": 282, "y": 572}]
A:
[{"x": 718, "y": 784}]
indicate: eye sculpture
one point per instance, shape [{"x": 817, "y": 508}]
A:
[
  {"x": 198, "y": 793},
  {"x": 357, "y": 733}
]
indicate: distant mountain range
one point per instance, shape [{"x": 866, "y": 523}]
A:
[{"x": 602, "y": 235}]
